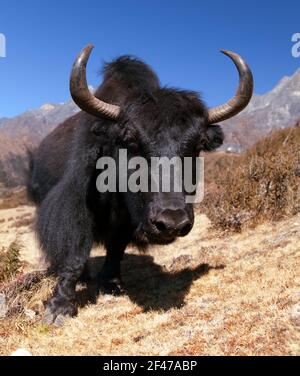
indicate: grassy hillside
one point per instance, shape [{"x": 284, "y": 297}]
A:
[
  {"x": 261, "y": 184},
  {"x": 206, "y": 294},
  {"x": 212, "y": 293}
]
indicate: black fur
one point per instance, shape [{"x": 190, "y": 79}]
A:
[{"x": 72, "y": 215}]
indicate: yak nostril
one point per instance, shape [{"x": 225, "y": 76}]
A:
[
  {"x": 168, "y": 226},
  {"x": 185, "y": 229},
  {"x": 160, "y": 226}
]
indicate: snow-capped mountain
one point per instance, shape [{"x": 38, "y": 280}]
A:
[
  {"x": 276, "y": 109},
  {"x": 27, "y": 130}
]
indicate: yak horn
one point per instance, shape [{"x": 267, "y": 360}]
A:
[
  {"x": 81, "y": 93},
  {"x": 242, "y": 96}
]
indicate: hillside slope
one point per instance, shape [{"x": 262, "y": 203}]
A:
[
  {"x": 25, "y": 132},
  {"x": 260, "y": 184},
  {"x": 274, "y": 110},
  {"x": 205, "y": 294}
]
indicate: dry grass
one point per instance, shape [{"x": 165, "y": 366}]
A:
[
  {"x": 262, "y": 184},
  {"x": 211, "y": 293},
  {"x": 27, "y": 292},
  {"x": 206, "y": 294},
  {"x": 23, "y": 220},
  {"x": 13, "y": 198},
  {"x": 17, "y": 223}
]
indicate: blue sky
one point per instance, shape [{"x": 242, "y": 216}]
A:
[{"x": 180, "y": 39}]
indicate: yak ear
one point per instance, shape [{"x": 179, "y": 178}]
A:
[{"x": 214, "y": 138}]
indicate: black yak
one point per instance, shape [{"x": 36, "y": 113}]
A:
[{"x": 131, "y": 111}]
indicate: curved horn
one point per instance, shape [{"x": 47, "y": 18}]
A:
[
  {"x": 242, "y": 96},
  {"x": 81, "y": 93}
]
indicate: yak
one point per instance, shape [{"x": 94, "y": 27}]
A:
[{"x": 130, "y": 110}]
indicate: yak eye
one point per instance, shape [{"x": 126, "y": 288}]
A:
[{"x": 97, "y": 129}]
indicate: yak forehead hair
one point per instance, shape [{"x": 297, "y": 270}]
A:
[
  {"x": 131, "y": 83},
  {"x": 131, "y": 73}
]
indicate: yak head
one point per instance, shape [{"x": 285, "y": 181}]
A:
[{"x": 159, "y": 125}]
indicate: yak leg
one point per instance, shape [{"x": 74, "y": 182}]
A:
[
  {"x": 85, "y": 276},
  {"x": 63, "y": 302},
  {"x": 109, "y": 278}
]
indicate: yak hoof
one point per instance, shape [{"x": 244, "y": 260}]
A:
[
  {"x": 57, "y": 310},
  {"x": 113, "y": 286}
]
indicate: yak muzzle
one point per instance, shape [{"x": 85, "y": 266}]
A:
[{"x": 171, "y": 223}]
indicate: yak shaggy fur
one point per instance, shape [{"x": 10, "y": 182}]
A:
[{"x": 72, "y": 215}]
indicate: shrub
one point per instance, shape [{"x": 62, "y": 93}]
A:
[
  {"x": 10, "y": 263},
  {"x": 261, "y": 184}
]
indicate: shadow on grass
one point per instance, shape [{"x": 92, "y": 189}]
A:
[{"x": 148, "y": 284}]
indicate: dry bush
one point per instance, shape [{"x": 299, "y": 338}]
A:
[
  {"x": 10, "y": 263},
  {"x": 22, "y": 290},
  {"x": 261, "y": 184},
  {"x": 28, "y": 291}
]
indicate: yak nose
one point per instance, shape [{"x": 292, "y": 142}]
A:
[{"x": 172, "y": 222}]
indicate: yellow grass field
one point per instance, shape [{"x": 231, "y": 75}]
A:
[{"x": 207, "y": 294}]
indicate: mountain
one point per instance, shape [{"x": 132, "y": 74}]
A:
[
  {"x": 35, "y": 124},
  {"x": 23, "y": 131},
  {"x": 277, "y": 109}
]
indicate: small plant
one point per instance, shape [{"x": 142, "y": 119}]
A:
[{"x": 10, "y": 263}]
